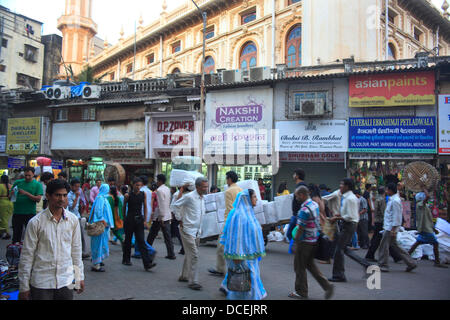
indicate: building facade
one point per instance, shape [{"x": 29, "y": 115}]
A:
[
  {"x": 249, "y": 33},
  {"x": 22, "y": 53},
  {"x": 52, "y": 58}
]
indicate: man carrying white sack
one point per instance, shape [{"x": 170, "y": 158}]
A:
[{"x": 230, "y": 196}]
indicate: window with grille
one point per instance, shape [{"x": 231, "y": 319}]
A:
[
  {"x": 30, "y": 53},
  {"x": 61, "y": 115},
  {"x": 88, "y": 114}
]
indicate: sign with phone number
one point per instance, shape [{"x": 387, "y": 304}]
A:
[{"x": 393, "y": 135}]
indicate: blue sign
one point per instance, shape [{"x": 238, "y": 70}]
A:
[
  {"x": 16, "y": 163},
  {"x": 57, "y": 164},
  {"x": 393, "y": 135}
]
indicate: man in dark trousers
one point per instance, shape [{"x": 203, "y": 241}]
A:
[
  {"x": 134, "y": 222},
  {"x": 299, "y": 178}
]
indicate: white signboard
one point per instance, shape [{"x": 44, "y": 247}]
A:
[
  {"x": 75, "y": 136},
  {"x": 129, "y": 136},
  {"x": 444, "y": 124},
  {"x": 312, "y": 157},
  {"x": 313, "y": 136},
  {"x": 239, "y": 121}
]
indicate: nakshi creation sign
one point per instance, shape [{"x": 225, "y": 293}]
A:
[{"x": 388, "y": 90}]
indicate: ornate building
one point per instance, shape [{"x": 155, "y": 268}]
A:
[{"x": 246, "y": 33}]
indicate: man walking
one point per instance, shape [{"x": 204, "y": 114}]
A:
[
  {"x": 189, "y": 209},
  {"x": 349, "y": 214},
  {"x": 51, "y": 253},
  {"x": 74, "y": 200},
  {"x": 306, "y": 246},
  {"x": 134, "y": 223},
  {"x": 379, "y": 207},
  {"x": 363, "y": 224},
  {"x": 162, "y": 216},
  {"x": 29, "y": 192},
  {"x": 299, "y": 178},
  {"x": 392, "y": 221},
  {"x": 425, "y": 227},
  {"x": 230, "y": 196}
]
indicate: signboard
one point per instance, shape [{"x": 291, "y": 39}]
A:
[
  {"x": 312, "y": 157},
  {"x": 24, "y": 136},
  {"x": 388, "y": 90},
  {"x": 239, "y": 121},
  {"x": 313, "y": 136},
  {"x": 129, "y": 136},
  {"x": 2, "y": 144},
  {"x": 165, "y": 135},
  {"x": 16, "y": 163},
  {"x": 444, "y": 124},
  {"x": 57, "y": 164},
  {"x": 393, "y": 135}
]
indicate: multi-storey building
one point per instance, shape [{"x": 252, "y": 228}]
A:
[
  {"x": 245, "y": 33},
  {"x": 21, "y": 51}
]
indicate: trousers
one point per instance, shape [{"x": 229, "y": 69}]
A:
[
  {"x": 131, "y": 226},
  {"x": 387, "y": 242},
  {"x": 304, "y": 260},
  {"x": 190, "y": 264},
  {"x": 344, "y": 236},
  {"x": 51, "y": 294},
  {"x": 19, "y": 222},
  {"x": 375, "y": 243},
  {"x": 154, "y": 229},
  {"x": 363, "y": 233}
]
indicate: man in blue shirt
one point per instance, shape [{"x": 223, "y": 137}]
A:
[{"x": 74, "y": 198}]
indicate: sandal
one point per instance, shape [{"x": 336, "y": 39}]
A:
[{"x": 295, "y": 295}]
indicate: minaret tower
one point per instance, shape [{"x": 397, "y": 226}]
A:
[{"x": 78, "y": 31}]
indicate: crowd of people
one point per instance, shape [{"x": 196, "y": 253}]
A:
[{"x": 123, "y": 214}]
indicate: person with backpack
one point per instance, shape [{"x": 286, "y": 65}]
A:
[{"x": 51, "y": 255}]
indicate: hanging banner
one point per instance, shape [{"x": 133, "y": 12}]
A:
[
  {"x": 313, "y": 136},
  {"x": 389, "y": 90},
  {"x": 393, "y": 135},
  {"x": 444, "y": 124},
  {"x": 24, "y": 136}
]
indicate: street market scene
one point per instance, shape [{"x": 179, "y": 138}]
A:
[{"x": 225, "y": 150}]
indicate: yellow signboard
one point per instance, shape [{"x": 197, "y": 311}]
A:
[{"x": 24, "y": 136}]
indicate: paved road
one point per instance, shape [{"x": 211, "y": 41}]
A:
[{"x": 122, "y": 282}]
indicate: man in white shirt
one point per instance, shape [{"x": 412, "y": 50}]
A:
[
  {"x": 349, "y": 214},
  {"x": 148, "y": 194},
  {"x": 189, "y": 209},
  {"x": 392, "y": 221},
  {"x": 162, "y": 216},
  {"x": 51, "y": 253}
]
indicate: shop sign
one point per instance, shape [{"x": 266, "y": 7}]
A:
[
  {"x": 387, "y": 156},
  {"x": 57, "y": 164},
  {"x": 444, "y": 124},
  {"x": 129, "y": 135},
  {"x": 16, "y": 163},
  {"x": 388, "y": 90},
  {"x": 312, "y": 157},
  {"x": 393, "y": 135},
  {"x": 131, "y": 161},
  {"x": 169, "y": 133},
  {"x": 239, "y": 122},
  {"x": 313, "y": 136},
  {"x": 2, "y": 144},
  {"x": 24, "y": 136}
]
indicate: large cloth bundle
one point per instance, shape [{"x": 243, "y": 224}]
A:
[
  {"x": 178, "y": 178},
  {"x": 270, "y": 213},
  {"x": 210, "y": 225},
  {"x": 420, "y": 173},
  {"x": 283, "y": 207}
]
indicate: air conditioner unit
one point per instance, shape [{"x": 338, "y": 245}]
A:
[
  {"x": 313, "y": 107},
  {"x": 211, "y": 79},
  {"x": 92, "y": 92},
  {"x": 229, "y": 76},
  {"x": 60, "y": 93},
  {"x": 260, "y": 73},
  {"x": 50, "y": 93}
]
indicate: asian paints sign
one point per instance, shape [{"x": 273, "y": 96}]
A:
[
  {"x": 239, "y": 122},
  {"x": 393, "y": 135},
  {"x": 387, "y": 90}
]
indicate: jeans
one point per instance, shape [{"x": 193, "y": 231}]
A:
[
  {"x": 19, "y": 222},
  {"x": 344, "y": 236},
  {"x": 137, "y": 227},
  {"x": 165, "y": 226}
]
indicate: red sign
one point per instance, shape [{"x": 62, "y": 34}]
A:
[
  {"x": 387, "y": 90},
  {"x": 312, "y": 157}
]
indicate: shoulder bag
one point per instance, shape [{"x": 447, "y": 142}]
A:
[
  {"x": 94, "y": 229},
  {"x": 239, "y": 279}
]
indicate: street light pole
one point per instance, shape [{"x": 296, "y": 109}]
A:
[{"x": 202, "y": 84}]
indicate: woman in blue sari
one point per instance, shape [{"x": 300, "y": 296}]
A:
[
  {"x": 244, "y": 244},
  {"x": 101, "y": 211}
]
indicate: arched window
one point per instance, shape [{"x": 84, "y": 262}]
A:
[
  {"x": 248, "y": 56},
  {"x": 391, "y": 52},
  {"x": 176, "y": 70},
  {"x": 210, "y": 65},
  {"x": 294, "y": 47}
]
